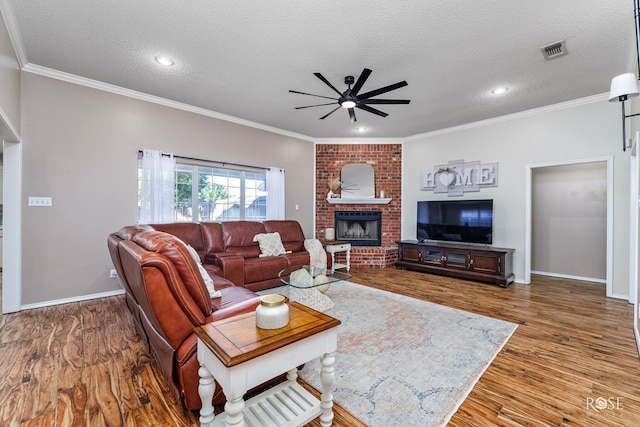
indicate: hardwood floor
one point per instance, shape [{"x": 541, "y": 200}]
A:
[{"x": 572, "y": 361}]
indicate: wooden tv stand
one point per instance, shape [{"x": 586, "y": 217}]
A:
[{"x": 481, "y": 263}]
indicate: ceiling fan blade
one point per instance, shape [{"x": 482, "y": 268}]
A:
[
  {"x": 352, "y": 115},
  {"x": 384, "y": 101},
  {"x": 321, "y": 77},
  {"x": 330, "y": 112},
  {"x": 363, "y": 78},
  {"x": 311, "y": 94},
  {"x": 383, "y": 90},
  {"x": 371, "y": 110},
  {"x": 316, "y": 105}
]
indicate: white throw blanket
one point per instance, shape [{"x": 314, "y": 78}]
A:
[{"x": 317, "y": 255}]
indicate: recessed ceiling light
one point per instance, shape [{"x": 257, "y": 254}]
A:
[
  {"x": 500, "y": 90},
  {"x": 361, "y": 129},
  {"x": 164, "y": 60}
]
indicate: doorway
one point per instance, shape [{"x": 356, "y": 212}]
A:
[
  {"x": 606, "y": 240},
  {"x": 569, "y": 221}
]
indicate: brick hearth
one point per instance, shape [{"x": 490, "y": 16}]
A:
[
  {"x": 371, "y": 256},
  {"x": 386, "y": 160}
]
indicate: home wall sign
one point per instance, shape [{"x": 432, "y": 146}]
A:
[{"x": 458, "y": 177}]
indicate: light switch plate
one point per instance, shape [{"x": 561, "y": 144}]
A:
[{"x": 40, "y": 201}]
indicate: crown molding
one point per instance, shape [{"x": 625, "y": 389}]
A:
[
  {"x": 106, "y": 87},
  {"x": 83, "y": 81},
  {"x": 355, "y": 140},
  {"x": 9, "y": 18},
  {"x": 7, "y": 131},
  {"x": 515, "y": 116}
]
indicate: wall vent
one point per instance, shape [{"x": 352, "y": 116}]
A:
[{"x": 554, "y": 50}]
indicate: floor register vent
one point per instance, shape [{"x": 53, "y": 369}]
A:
[{"x": 554, "y": 50}]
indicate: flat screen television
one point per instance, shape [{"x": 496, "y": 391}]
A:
[{"x": 465, "y": 221}]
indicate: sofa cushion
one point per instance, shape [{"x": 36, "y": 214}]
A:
[
  {"x": 127, "y": 232},
  {"x": 237, "y": 237},
  {"x": 270, "y": 244},
  {"x": 215, "y": 272},
  {"x": 176, "y": 251},
  {"x": 212, "y": 237},
  {"x": 234, "y": 300},
  {"x": 290, "y": 233},
  {"x": 259, "y": 269},
  {"x": 188, "y": 232},
  {"x": 297, "y": 258}
]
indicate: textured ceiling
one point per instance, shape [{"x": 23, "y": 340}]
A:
[{"x": 241, "y": 57}]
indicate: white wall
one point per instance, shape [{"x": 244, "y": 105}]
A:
[{"x": 583, "y": 129}]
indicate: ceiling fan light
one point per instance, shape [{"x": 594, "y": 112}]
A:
[{"x": 348, "y": 104}]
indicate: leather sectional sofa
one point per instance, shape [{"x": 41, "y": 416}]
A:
[
  {"x": 228, "y": 250},
  {"x": 167, "y": 295}
]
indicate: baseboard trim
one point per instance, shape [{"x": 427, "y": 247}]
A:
[
  {"x": 73, "y": 299},
  {"x": 568, "y": 276}
]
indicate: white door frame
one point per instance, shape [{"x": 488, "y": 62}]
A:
[
  {"x": 12, "y": 226},
  {"x": 528, "y": 214}
]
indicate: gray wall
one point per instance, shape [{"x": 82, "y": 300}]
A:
[{"x": 80, "y": 148}]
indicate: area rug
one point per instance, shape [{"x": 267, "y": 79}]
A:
[{"x": 402, "y": 361}]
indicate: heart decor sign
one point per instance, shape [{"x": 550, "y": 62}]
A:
[
  {"x": 447, "y": 178},
  {"x": 458, "y": 177}
]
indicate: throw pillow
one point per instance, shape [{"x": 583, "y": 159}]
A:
[
  {"x": 208, "y": 281},
  {"x": 270, "y": 244}
]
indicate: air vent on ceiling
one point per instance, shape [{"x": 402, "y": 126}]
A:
[{"x": 554, "y": 50}]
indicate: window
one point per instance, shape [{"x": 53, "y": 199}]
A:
[{"x": 204, "y": 193}]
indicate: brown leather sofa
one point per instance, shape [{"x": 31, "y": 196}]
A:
[
  {"x": 168, "y": 299},
  {"x": 228, "y": 250},
  {"x": 167, "y": 295}
]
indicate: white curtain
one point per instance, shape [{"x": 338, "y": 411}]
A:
[
  {"x": 158, "y": 182},
  {"x": 275, "y": 193}
]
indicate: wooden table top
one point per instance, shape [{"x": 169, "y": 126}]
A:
[
  {"x": 333, "y": 242},
  {"x": 238, "y": 339}
]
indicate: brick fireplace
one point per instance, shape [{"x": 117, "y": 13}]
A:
[{"x": 386, "y": 160}]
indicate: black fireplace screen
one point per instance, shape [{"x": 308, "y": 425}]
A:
[{"x": 360, "y": 228}]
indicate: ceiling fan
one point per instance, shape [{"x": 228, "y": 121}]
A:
[{"x": 351, "y": 98}]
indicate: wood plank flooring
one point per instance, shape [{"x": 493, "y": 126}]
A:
[{"x": 572, "y": 361}]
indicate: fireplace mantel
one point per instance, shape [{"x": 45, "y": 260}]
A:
[{"x": 357, "y": 201}]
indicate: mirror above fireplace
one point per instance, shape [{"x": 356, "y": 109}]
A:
[
  {"x": 358, "y": 186},
  {"x": 358, "y": 181}
]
